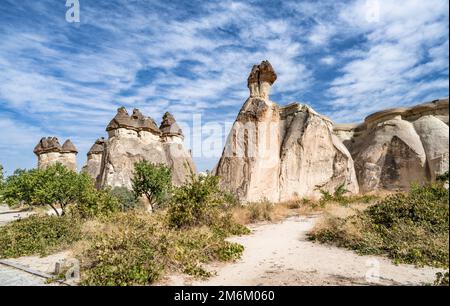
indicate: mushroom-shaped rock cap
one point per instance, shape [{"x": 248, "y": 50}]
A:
[
  {"x": 169, "y": 125},
  {"x": 262, "y": 73},
  {"x": 98, "y": 147},
  {"x": 68, "y": 147},
  {"x": 137, "y": 121},
  {"x": 46, "y": 145}
]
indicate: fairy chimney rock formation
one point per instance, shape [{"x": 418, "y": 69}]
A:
[
  {"x": 281, "y": 153},
  {"x": 261, "y": 79},
  {"x": 94, "y": 159},
  {"x": 133, "y": 138},
  {"x": 49, "y": 152},
  {"x": 395, "y": 148}
]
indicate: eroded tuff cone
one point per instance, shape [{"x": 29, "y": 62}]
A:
[
  {"x": 281, "y": 153},
  {"x": 94, "y": 160},
  {"x": 136, "y": 122},
  {"x": 69, "y": 147},
  {"x": 395, "y": 148},
  {"x": 260, "y": 80},
  {"x": 50, "y": 152},
  {"x": 98, "y": 147},
  {"x": 46, "y": 145},
  {"x": 169, "y": 126},
  {"x": 135, "y": 138}
]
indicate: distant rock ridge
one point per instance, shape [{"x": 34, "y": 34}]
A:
[
  {"x": 281, "y": 153},
  {"x": 49, "y": 152},
  {"x": 397, "y": 147}
]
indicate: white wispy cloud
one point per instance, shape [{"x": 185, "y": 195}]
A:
[{"x": 68, "y": 79}]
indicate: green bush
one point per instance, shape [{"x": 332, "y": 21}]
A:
[
  {"x": 153, "y": 181},
  {"x": 339, "y": 196},
  {"x": 443, "y": 177},
  {"x": 38, "y": 235},
  {"x": 198, "y": 202},
  {"x": 136, "y": 249},
  {"x": 409, "y": 228},
  {"x": 93, "y": 203},
  {"x": 441, "y": 279},
  {"x": 20, "y": 188},
  {"x": 127, "y": 199}
]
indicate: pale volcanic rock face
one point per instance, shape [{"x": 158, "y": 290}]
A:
[
  {"x": 395, "y": 148},
  {"x": 135, "y": 138},
  {"x": 50, "y": 152},
  {"x": 281, "y": 153}
]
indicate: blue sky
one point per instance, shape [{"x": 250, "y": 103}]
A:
[{"x": 346, "y": 59}]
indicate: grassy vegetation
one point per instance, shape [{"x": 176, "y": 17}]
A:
[
  {"x": 118, "y": 243},
  {"x": 40, "y": 235},
  {"x": 409, "y": 228},
  {"x": 128, "y": 246},
  {"x": 137, "y": 249}
]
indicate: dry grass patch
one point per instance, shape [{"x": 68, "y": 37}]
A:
[{"x": 409, "y": 228}]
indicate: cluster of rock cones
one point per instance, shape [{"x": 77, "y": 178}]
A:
[{"x": 278, "y": 153}]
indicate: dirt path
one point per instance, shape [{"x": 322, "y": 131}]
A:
[{"x": 280, "y": 254}]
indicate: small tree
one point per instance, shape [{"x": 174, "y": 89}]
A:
[
  {"x": 58, "y": 187},
  {"x": 153, "y": 181},
  {"x": 197, "y": 202},
  {"x": 20, "y": 187}
]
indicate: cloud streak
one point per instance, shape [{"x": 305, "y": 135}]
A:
[{"x": 67, "y": 79}]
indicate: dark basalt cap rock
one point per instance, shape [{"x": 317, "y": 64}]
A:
[
  {"x": 136, "y": 121},
  {"x": 98, "y": 147},
  {"x": 169, "y": 126},
  {"x": 69, "y": 147},
  {"x": 262, "y": 73},
  {"x": 46, "y": 145}
]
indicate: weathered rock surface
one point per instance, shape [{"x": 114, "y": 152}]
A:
[
  {"x": 49, "y": 152},
  {"x": 135, "y": 138},
  {"x": 94, "y": 159},
  {"x": 280, "y": 153},
  {"x": 394, "y": 148}
]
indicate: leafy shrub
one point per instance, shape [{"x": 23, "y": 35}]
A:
[
  {"x": 126, "y": 256},
  {"x": 198, "y": 202},
  {"x": 443, "y": 177},
  {"x": 94, "y": 203},
  {"x": 153, "y": 181},
  {"x": 409, "y": 228},
  {"x": 126, "y": 198},
  {"x": 441, "y": 279},
  {"x": 38, "y": 235},
  {"x": 136, "y": 249},
  {"x": 339, "y": 196},
  {"x": 340, "y": 191}
]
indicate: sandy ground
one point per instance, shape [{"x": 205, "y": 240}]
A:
[
  {"x": 280, "y": 254},
  {"x": 9, "y": 215}
]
